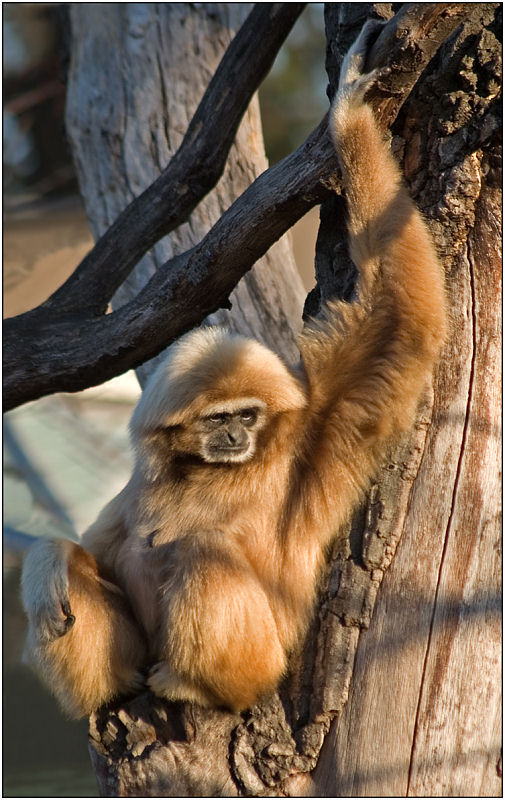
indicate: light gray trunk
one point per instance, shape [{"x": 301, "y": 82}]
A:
[{"x": 138, "y": 71}]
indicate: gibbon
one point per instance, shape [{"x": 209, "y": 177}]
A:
[{"x": 200, "y": 576}]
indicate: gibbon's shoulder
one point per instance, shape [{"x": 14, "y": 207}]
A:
[{"x": 211, "y": 366}]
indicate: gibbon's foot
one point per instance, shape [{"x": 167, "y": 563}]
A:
[
  {"x": 163, "y": 682},
  {"x": 158, "y": 678},
  {"x": 137, "y": 683}
]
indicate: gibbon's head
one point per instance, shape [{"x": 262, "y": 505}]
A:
[{"x": 212, "y": 396}]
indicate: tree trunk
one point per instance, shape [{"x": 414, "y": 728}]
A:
[
  {"x": 404, "y": 700},
  {"x": 423, "y": 713},
  {"x": 137, "y": 74}
]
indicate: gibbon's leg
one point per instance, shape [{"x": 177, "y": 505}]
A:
[
  {"x": 82, "y": 638},
  {"x": 220, "y": 645}
]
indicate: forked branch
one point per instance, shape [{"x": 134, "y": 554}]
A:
[
  {"x": 192, "y": 171},
  {"x": 69, "y": 342}
]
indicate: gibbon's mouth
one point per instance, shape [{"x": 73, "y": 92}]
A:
[
  {"x": 232, "y": 453},
  {"x": 233, "y": 449},
  {"x": 228, "y": 454}
]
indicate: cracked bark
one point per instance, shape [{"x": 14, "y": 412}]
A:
[
  {"x": 424, "y": 698},
  {"x": 395, "y": 689}
]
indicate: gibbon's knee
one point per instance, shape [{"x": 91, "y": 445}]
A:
[
  {"x": 221, "y": 644},
  {"x": 99, "y": 656},
  {"x": 167, "y": 683},
  {"x": 235, "y": 676},
  {"x": 231, "y": 671}
]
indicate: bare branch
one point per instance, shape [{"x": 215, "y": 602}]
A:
[
  {"x": 48, "y": 350},
  {"x": 194, "y": 169}
]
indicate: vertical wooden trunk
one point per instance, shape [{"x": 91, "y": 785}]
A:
[{"x": 423, "y": 714}]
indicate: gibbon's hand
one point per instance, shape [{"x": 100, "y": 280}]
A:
[
  {"x": 69, "y": 618},
  {"x": 54, "y": 619},
  {"x": 354, "y": 82},
  {"x": 45, "y": 590}
]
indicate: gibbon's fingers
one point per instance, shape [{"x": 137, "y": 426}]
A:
[
  {"x": 70, "y": 619},
  {"x": 355, "y": 90},
  {"x": 50, "y": 624},
  {"x": 45, "y": 589},
  {"x": 353, "y": 65}
]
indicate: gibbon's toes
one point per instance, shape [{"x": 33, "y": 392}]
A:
[
  {"x": 155, "y": 679},
  {"x": 137, "y": 682}
]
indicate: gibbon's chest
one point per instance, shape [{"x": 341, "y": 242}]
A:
[
  {"x": 247, "y": 512},
  {"x": 214, "y": 498}
]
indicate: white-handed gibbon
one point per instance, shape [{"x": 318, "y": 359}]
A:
[{"x": 201, "y": 573}]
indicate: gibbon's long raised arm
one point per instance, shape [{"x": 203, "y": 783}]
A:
[{"x": 199, "y": 577}]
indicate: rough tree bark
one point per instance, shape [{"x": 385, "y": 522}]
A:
[
  {"x": 423, "y": 711},
  {"x": 404, "y": 701}
]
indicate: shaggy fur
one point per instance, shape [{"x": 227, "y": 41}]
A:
[{"x": 219, "y": 561}]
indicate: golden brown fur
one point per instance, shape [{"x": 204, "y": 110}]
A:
[
  {"x": 100, "y": 653},
  {"x": 219, "y": 561}
]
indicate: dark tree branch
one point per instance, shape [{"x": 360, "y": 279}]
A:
[
  {"x": 50, "y": 349},
  {"x": 194, "y": 169},
  {"x": 67, "y": 352}
]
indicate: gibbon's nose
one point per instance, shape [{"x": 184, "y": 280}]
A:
[{"x": 235, "y": 435}]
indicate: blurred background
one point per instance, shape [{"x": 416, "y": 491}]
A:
[{"x": 66, "y": 455}]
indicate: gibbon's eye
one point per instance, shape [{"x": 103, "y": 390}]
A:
[
  {"x": 249, "y": 415},
  {"x": 217, "y": 419}
]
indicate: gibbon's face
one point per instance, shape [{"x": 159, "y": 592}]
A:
[{"x": 224, "y": 434}]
